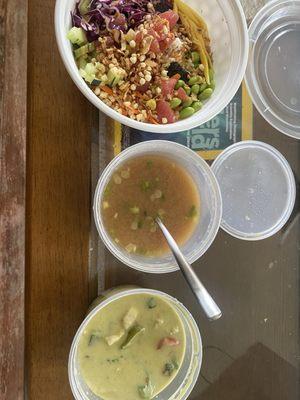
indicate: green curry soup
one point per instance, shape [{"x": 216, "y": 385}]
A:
[
  {"x": 132, "y": 349},
  {"x": 141, "y": 189}
]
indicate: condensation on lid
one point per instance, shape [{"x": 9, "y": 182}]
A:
[
  {"x": 273, "y": 72},
  {"x": 257, "y": 187}
]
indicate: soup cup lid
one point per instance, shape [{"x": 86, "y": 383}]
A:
[
  {"x": 257, "y": 187},
  {"x": 273, "y": 71}
]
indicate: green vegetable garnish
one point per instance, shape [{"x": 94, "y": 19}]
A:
[
  {"x": 107, "y": 191},
  {"x": 149, "y": 164},
  {"x": 133, "y": 332},
  {"x": 145, "y": 186},
  {"x": 134, "y": 210},
  {"x": 192, "y": 212},
  {"x": 95, "y": 337},
  {"x": 170, "y": 367},
  {"x": 151, "y": 303},
  {"x": 146, "y": 391},
  {"x": 140, "y": 224}
]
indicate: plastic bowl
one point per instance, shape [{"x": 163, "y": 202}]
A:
[
  {"x": 228, "y": 31},
  {"x": 182, "y": 385},
  {"x": 210, "y": 204}
]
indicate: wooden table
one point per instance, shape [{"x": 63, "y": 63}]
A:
[{"x": 48, "y": 133}]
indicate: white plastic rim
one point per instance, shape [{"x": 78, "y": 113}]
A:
[
  {"x": 194, "y": 346},
  {"x": 286, "y": 170},
  {"x": 273, "y": 17},
  {"x": 210, "y": 204},
  {"x": 229, "y": 40}
]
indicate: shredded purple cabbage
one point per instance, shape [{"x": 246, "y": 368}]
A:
[{"x": 109, "y": 15}]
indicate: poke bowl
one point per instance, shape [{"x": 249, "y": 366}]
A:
[{"x": 154, "y": 65}]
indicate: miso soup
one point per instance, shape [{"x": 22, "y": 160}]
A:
[{"x": 142, "y": 189}]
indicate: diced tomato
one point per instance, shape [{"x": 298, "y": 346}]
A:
[
  {"x": 168, "y": 85},
  {"x": 164, "y": 44},
  {"x": 139, "y": 37},
  {"x": 143, "y": 88},
  {"x": 165, "y": 111},
  {"x": 170, "y": 16},
  {"x": 159, "y": 28},
  {"x": 155, "y": 48},
  {"x": 167, "y": 341},
  {"x": 181, "y": 94}
]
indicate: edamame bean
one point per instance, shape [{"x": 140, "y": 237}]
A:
[
  {"x": 186, "y": 112},
  {"x": 187, "y": 103},
  {"x": 195, "y": 88},
  {"x": 175, "y": 102},
  {"x": 187, "y": 90},
  {"x": 195, "y": 79},
  {"x": 197, "y": 105},
  {"x": 212, "y": 85},
  {"x": 180, "y": 83},
  {"x": 205, "y": 94},
  {"x": 203, "y": 87},
  {"x": 195, "y": 57}
]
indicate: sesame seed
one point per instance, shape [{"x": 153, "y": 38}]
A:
[
  {"x": 142, "y": 81},
  {"x": 158, "y": 90},
  {"x": 132, "y": 43},
  {"x": 133, "y": 87},
  {"x": 164, "y": 73},
  {"x": 143, "y": 57},
  {"x": 142, "y": 65},
  {"x": 97, "y": 91},
  {"x": 148, "y": 77},
  {"x": 164, "y": 120}
]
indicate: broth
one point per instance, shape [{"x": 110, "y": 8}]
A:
[{"x": 141, "y": 189}]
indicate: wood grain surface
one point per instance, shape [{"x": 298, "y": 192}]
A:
[
  {"x": 13, "y": 48},
  {"x": 60, "y": 125}
]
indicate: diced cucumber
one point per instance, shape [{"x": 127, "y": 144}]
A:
[
  {"x": 77, "y": 36},
  {"x": 87, "y": 48},
  {"x": 95, "y": 82},
  {"x": 90, "y": 69},
  {"x": 115, "y": 75},
  {"x": 82, "y": 61},
  {"x": 89, "y": 74}
]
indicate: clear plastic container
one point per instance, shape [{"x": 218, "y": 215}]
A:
[
  {"x": 210, "y": 204},
  {"x": 229, "y": 42},
  {"x": 273, "y": 72},
  {"x": 258, "y": 189},
  {"x": 183, "y": 383}
]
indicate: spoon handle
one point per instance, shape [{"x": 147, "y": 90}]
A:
[{"x": 204, "y": 298}]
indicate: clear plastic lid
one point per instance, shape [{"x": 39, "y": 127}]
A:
[
  {"x": 273, "y": 72},
  {"x": 257, "y": 187}
]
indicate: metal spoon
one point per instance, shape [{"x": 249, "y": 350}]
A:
[{"x": 204, "y": 298}]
